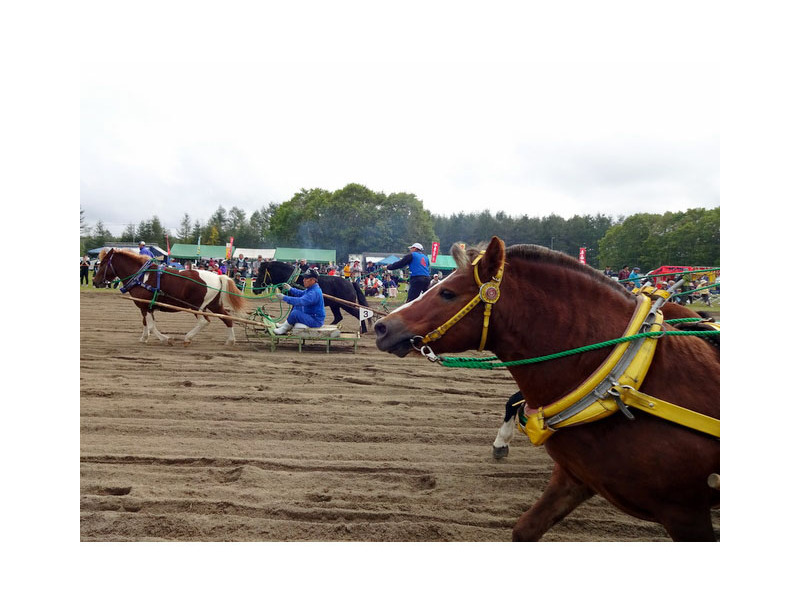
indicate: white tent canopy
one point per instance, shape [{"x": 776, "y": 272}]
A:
[{"x": 252, "y": 254}]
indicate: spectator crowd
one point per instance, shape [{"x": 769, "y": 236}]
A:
[{"x": 384, "y": 281}]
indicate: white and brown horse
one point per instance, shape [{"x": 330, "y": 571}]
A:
[{"x": 147, "y": 281}]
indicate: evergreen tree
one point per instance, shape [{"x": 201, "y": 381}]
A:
[
  {"x": 129, "y": 234},
  {"x": 185, "y": 230}
]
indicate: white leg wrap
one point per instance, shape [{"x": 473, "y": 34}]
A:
[
  {"x": 151, "y": 326},
  {"x": 201, "y": 322},
  {"x": 504, "y": 434}
]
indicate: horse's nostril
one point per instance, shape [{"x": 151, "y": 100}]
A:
[{"x": 380, "y": 329}]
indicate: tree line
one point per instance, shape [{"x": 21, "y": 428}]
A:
[{"x": 356, "y": 219}]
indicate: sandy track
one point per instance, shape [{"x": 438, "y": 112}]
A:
[{"x": 208, "y": 443}]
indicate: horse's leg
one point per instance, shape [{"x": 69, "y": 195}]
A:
[
  {"x": 202, "y": 321},
  {"x": 151, "y": 327},
  {"x": 145, "y": 325},
  {"x": 503, "y": 439},
  {"x": 231, "y": 340},
  {"x": 506, "y": 431},
  {"x": 560, "y": 497},
  {"x": 337, "y": 314},
  {"x": 688, "y": 525}
]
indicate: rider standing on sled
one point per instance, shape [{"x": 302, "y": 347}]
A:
[
  {"x": 308, "y": 306},
  {"x": 420, "y": 274}
]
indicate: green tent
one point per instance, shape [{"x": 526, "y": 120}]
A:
[
  {"x": 443, "y": 262},
  {"x": 188, "y": 251},
  {"x": 312, "y": 256}
]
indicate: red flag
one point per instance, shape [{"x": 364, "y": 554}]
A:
[
  {"x": 582, "y": 255},
  {"x": 434, "y": 251},
  {"x": 166, "y": 235}
]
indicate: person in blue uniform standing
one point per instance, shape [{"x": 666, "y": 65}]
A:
[
  {"x": 308, "y": 306},
  {"x": 144, "y": 250},
  {"x": 420, "y": 273}
]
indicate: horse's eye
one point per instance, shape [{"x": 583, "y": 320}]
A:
[{"x": 447, "y": 294}]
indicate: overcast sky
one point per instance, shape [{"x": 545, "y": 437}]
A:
[{"x": 524, "y": 138}]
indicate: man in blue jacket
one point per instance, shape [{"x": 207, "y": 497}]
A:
[
  {"x": 144, "y": 250},
  {"x": 308, "y": 305},
  {"x": 420, "y": 274}
]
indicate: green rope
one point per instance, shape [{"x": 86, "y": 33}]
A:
[
  {"x": 490, "y": 363},
  {"x": 674, "y": 321},
  {"x": 260, "y": 313}
]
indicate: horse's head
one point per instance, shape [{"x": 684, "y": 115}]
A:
[
  {"x": 104, "y": 271},
  {"x": 263, "y": 278},
  {"x": 117, "y": 264},
  {"x": 272, "y": 273},
  {"x": 449, "y": 317}
]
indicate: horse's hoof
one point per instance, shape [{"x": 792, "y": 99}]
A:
[
  {"x": 187, "y": 343},
  {"x": 169, "y": 341},
  {"x": 499, "y": 453}
]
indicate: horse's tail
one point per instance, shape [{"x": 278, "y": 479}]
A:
[
  {"x": 231, "y": 295},
  {"x": 362, "y": 300}
]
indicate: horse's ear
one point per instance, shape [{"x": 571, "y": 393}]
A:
[
  {"x": 492, "y": 259},
  {"x": 459, "y": 255}
]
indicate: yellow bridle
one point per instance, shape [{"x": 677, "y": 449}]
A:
[{"x": 488, "y": 293}]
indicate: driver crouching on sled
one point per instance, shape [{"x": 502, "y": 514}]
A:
[{"x": 308, "y": 306}]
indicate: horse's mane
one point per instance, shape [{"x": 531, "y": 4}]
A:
[
  {"x": 135, "y": 255},
  {"x": 537, "y": 253}
]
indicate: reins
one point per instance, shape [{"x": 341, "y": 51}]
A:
[{"x": 492, "y": 362}]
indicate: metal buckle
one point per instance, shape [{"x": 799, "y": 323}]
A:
[
  {"x": 615, "y": 393},
  {"x": 425, "y": 350}
]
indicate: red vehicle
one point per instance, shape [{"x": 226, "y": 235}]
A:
[{"x": 662, "y": 274}]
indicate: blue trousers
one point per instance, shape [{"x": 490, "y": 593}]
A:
[
  {"x": 416, "y": 286},
  {"x": 297, "y": 315}
]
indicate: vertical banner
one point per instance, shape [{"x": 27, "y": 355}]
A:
[
  {"x": 229, "y": 249},
  {"x": 168, "y": 254},
  {"x": 198, "y": 246},
  {"x": 434, "y": 251},
  {"x": 582, "y": 255}
]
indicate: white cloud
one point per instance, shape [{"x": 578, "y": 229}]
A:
[{"x": 519, "y": 137}]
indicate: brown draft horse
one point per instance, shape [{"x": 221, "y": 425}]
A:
[
  {"x": 193, "y": 289},
  {"x": 647, "y": 467}
]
